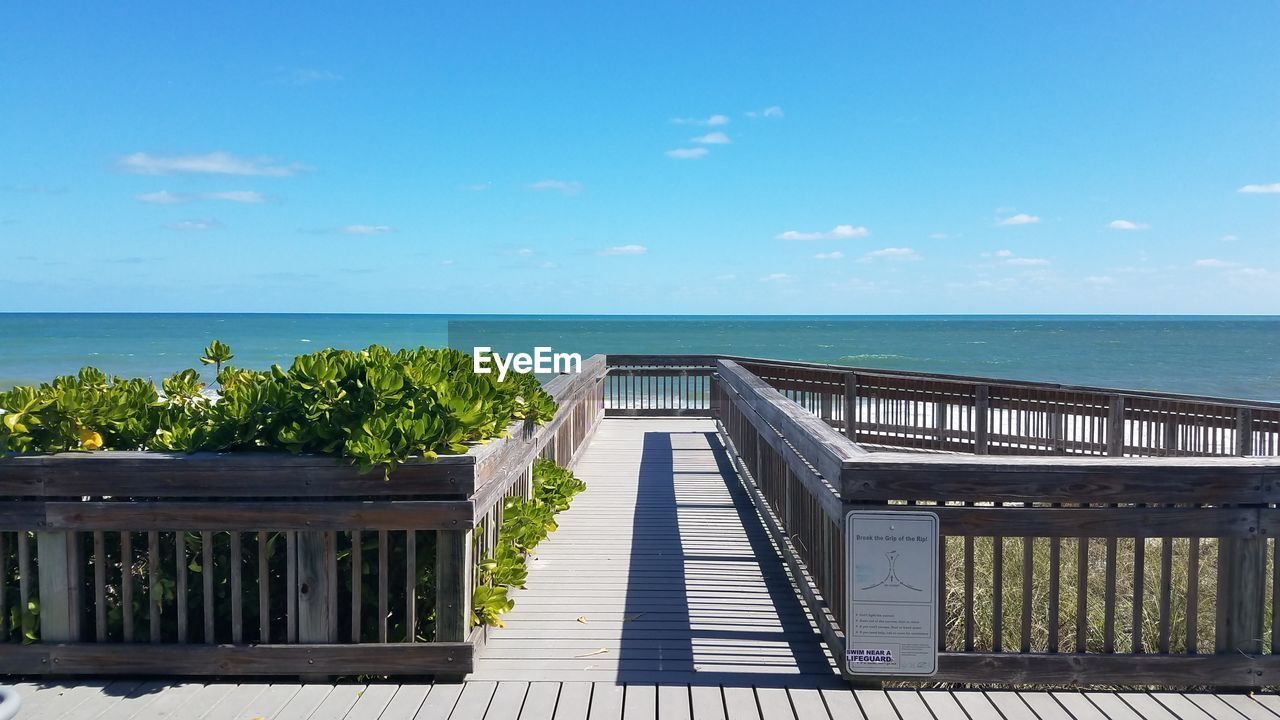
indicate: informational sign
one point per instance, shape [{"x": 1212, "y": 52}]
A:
[{"x": 891, "y": 610}]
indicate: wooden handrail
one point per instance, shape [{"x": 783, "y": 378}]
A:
[
  {"x": 827, "y": 450},
  {"x": 788, "y": 454},
  {"x": 678, "y": 360}
]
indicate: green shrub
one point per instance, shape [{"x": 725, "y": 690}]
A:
[
  {"x": 525, "y": 523},
  {"x": 374, "y": 406},
  {"x": 554, "y": 486}
]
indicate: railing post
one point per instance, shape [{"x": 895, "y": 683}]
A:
[
  {"x": 713, "y": 401},
  {"x": 453, "y": 585},
  {"x": 1115, "y": 426},
  {"x": 1244, "y": 432},
  {"x": 851, "y": 406},
  {"x": 940, "y": 412},
  {"x": 1242, "y": 572},
  {"x": 981, "y": 418},
  {"x": 57, "y": 574},
  {"x": 1171, "y": 434},
  {"x": 316, "y": 604}
]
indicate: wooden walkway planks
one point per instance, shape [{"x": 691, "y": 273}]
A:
[
  {"x": 503, "y": 700},
  {"x": 660, "y": 573}
]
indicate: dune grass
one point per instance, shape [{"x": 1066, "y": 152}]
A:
[{"x": 1095, "y": 611}]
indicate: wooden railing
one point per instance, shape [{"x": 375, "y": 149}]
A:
[
  {"x": 1061, "y": 570},
  {"x": 671, "y": 385},
  {"x": 985, "y": 416},
  {"x": 952, "y": 413},
  {"x": 268, "y": 564}
]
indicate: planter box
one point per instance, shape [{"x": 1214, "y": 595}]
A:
[{"x": 261, "y": 563}]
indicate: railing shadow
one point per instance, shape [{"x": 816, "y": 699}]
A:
[{"x": 708, "y": 598}]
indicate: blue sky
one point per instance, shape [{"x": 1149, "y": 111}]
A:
[{"x": 648, "y": 158}]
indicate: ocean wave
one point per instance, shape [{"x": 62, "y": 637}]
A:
[{"x": 875, "y": 356}]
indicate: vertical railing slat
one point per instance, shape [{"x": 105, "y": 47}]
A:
[
  {"x": 99, "y": 586},
  {"x": 155, "y": 601},
  {"x": 126, "y": 585},
  {"x": 357, "y": 575},
  {"x": 264, "y": 587},
  {"x": 382, "y": 586},
  {"x": 237, "y": 590},
  {"x": 411, "y": 586},
  {"x": 206, "y": 579},
  {"x": 180, "y": 583}
]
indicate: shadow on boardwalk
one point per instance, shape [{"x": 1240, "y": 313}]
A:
[
  {"x": 661, "y": 572},
  {"x": 708, "y": 595}
]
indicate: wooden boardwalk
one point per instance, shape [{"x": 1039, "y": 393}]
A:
[
  {"x": 660, "y": 597},
  {"x": 135, "y": 700},
  {"x": 660, "y": 573}
]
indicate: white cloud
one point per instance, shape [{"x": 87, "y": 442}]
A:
[
  {"x": 1215, "y": 263},
  {"x": 687, "y": 153},
  {"x": 1251, "y": 272},
  {"x": 304, "y": 76},
  {"x": 209, "y": 224},
  {"x": 773, "y": 111},
  {"x": 564, "y": 187},
  {"x": 446, "y": 263},
  {"x": 625, "y": 250},
  {"x": 1003, "y": 253},
  {"x": 164, "y": 197},
  {"x": 1138, "y": 270},
  {"x": 892, "y": 253},
  {"x": 1019, "y": 219},
  {"x": 839, "y": 232},
  {"x": 712, "y": 138},
  {"x": 214, "y": 163},
  {"x": 1127, "y": 225},
  {"x": 776, "y": 277},
  {"x": 836, "y": 255},
  {"x": 1228, "y": 238},
  {"x": 938, "y": 236},
  {"x": 547, "y": 265},
  {"x": 1266, "y": 188},
  {"x": 239, "y": 196},
  {"x": 1026, "y": 262},
  {"x": 1100, "y": 280},
  {"x": 525, "y": 252},
  {"x": 366, "y": 229},
  {"x": 713, "y": 121}
]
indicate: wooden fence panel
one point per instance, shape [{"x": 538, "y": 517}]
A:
[{"x": 1041, "y": 554}]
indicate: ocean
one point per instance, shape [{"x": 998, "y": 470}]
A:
[{"x": 1208, "y": 355}]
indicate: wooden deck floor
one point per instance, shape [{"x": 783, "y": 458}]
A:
[
  {"x": 659, "y": 573},
  {"x": 134, "y": 700}
]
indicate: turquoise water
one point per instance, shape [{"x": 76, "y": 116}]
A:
[{"x": 1227, "y": 356}]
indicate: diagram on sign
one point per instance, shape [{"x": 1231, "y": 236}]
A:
[{"x": 891, "y": 578}]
